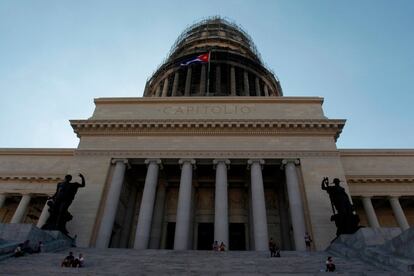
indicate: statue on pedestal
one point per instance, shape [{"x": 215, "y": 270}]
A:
[
  {"x": 344, "y": 215},
  {"x": 59, "y": 204}
]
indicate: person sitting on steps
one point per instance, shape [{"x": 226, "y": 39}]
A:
[
  {"x": 68, "y": 260},
  {"x": 78, "y": 262},
  {"x": 330, "y": 266}
]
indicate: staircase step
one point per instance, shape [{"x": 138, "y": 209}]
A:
[{"x": 169, "y": 262}]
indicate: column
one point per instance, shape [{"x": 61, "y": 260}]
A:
[
  {"x": 232, "y": 81},
  {"x": 399, "y": 213},
  {"x": 370, "y": 212},
  {"x": 111, "y": 203},
  {"x": 188, "y": 82},
  {"x": 246, "y": 83},
  {"x": 165, "y": 88},
  {"x": 43, "y": 216},
  {"x": 2, "y": 200},
  {"x": 295, "y": 204},
  {"x": 202, "y": 91},
  {"x": 258, "y": 205},
  {"x": 20, "y": 212},
  {"x": 143, "y": 230},
  {"x": 129, "y": 217},
  {"x": 221, "y": 217},
  {"x": 158, "y": 91},
  {"x": 158, "y": 218},
  {"x": 266, "y": 90},
  {"x": 284, "y": 218},
  {"x": 218, "y": 79},
  {"x": 182, "y": 224},
  {"x": 257, "y": 84},
  {"x": 175, "y": 83}
]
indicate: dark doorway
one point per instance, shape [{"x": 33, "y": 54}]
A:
[
  {"x": 237, "y": 236},
  {"x": 205, "y": 236},
  {"x": 170, "y": 235}
]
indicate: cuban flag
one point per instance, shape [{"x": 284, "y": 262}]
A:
[{"x": 201, "y": 58}]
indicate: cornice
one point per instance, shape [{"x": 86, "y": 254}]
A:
[
  {"x": 376, "y": 152},
  {"x": 380, "y": 179},
  {"x": 206, "y": 127},
  {"x": 37, "y": 151},
  {"x": 205, "y": 154},
  {"x": 231, "y": 100}
]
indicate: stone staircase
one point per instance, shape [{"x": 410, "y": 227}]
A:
[
  {"x": 382, "y": 247},
  {"x": 11, "y": 235},
  {"x": 169, "y": 262}
]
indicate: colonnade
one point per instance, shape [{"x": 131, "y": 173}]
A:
[
  {"x": 396, "y": 209},
  {"x": 183, "y": 214},
  {"x": 22, "y": 208},
  {"x": 202, "y": 88}
]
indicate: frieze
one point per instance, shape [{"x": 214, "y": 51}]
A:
[{"x": 208, "y": 110}]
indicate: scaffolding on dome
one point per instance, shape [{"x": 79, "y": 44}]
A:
[{"x": 209, "y": 21}]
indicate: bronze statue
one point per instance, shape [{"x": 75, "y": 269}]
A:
[
  {"x": 344, "y": 215},
  {"x": 59, "y": 204}
]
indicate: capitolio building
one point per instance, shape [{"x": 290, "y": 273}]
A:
[{"x": 213, "y": 151}]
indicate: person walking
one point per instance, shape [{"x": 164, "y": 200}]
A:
[{"x": 308, "y": 240}]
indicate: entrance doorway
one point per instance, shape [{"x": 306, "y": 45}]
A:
[
  {"x": 237, "y": 236},
  {"x": 169, "y": 244},
  {"x": 205, "y": 236}
]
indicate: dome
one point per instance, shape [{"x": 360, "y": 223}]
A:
[{"x": 234, "y": 66}]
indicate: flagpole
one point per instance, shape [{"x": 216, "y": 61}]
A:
[{"x": 208, "y": 74}]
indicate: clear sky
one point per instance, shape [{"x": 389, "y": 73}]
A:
[{"x": 56, "y": 56}]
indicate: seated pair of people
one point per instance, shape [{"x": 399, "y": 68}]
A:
[
  {"x": 273, "y": 248},
  {"x": 217, "y": 247},
  {"x": 71, "y": 261}
]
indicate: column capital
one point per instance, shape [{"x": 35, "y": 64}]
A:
[
  {"x": 250, "y": 162},
  {"x": 290, "y": 160},
  {"x": 366, "y": 196},
  {"x": 393, "y": 197},
  {"x": 217, "y": 161},
  {"x": 187, "y": 160},
  {"x": 157, "y": 161},
  {"x": 123, "y": 160}
]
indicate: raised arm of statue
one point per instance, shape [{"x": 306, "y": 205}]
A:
[
  {"x": 325, "y": 183},
  {"x": 83, "y": 180}
]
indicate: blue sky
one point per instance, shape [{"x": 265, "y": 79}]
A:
[{"x": 56, "y": 56}]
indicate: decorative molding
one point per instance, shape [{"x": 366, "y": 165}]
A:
[
  {"x": 31, "y": 178},
  {"x": 205, "y": 154},
  {"x": 207, "y": 127},
  {"x": 376, "y": 152},
  {"x": 232, "y": 100},
  {"x": 380, "y": 179},
  {"x": 37, "y": 152}
]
